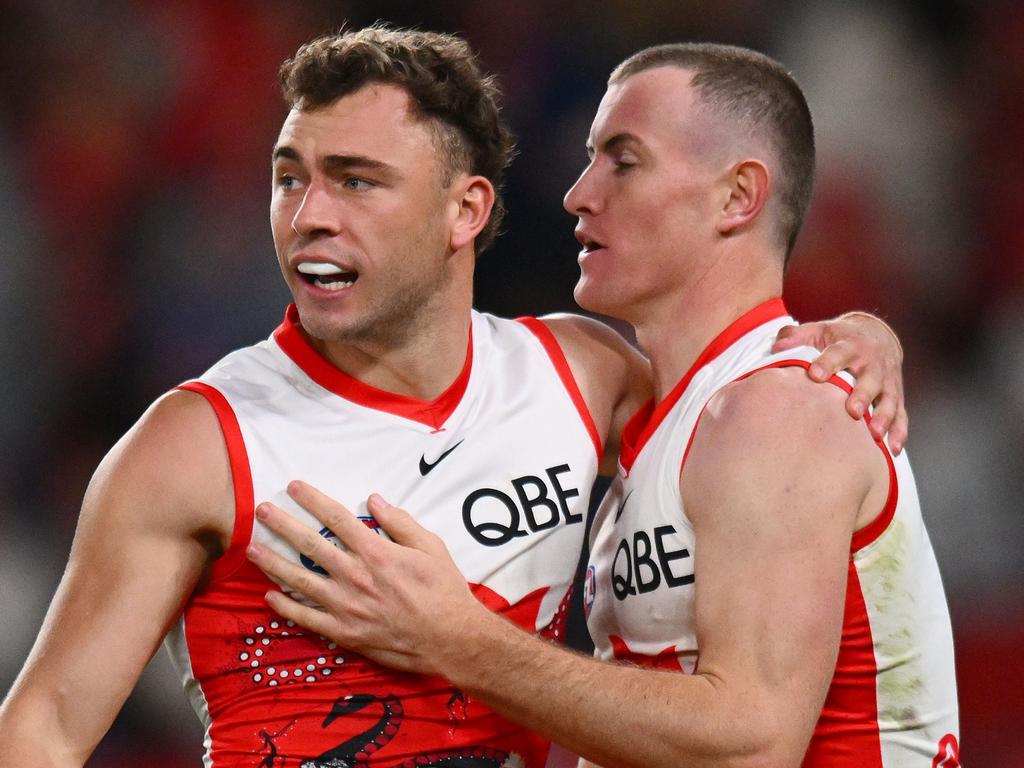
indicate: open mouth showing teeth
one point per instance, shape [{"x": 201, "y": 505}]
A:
[{"x": 327, "y": 276}]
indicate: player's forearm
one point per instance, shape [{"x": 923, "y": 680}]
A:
[
  {"x": 30, "y": 751},
  {"x": 619, "y": 715},
  {"x": 31, "y": 737}
]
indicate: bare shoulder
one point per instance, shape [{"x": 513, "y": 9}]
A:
[
  {"x": 591, "y": 342},
  {"x": 175, "y": 460},
  {"x": 776, "y": 430},
  {"x": 613, "y": 376},
  {"x": 778, "y": 398},
  {"x": 599, "y": 349}
]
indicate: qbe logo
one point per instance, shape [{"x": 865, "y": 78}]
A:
[{"x": 495, "y": 516}]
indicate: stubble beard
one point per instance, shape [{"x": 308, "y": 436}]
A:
[
  {"x": 394, "y": 319},
  {"x": 400, "y": 314}
]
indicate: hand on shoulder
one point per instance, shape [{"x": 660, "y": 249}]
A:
[{"x": 777, "y": 433}]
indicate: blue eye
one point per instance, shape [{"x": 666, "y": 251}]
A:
[{"x": 356, "y": 184}]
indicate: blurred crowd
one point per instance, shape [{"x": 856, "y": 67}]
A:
[{"x": 135, "y": 142}]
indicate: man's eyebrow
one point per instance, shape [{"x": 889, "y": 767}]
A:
[
  {"x": 615, "y": 142},
  {"x": 335, "y": 163},
  {"x": 285, "y": 152},
  {"x": 618, "y": 140}
]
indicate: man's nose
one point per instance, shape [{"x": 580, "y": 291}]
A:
[
  {"x": 582, "y": 198},
  {"x": 316, "y": 213}
]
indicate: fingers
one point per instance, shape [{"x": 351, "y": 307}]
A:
[
  {"x": 899, "y": 430},
  {"x": 303, "y": 538},
  {"x": 306, "y": 616},
  {"x": 838, "y": 356},
  {"x": 881, "y": 373},
  {"x": 400, "y": 525},
  {"x": 879, "y": 379},
  {"x": 786, "y": 338},
  {"x": 792, "y": 336},
  {"x": 334, "y": 516},
  {"x": 294, "y": 576},
  {"x": 867, "y": 390},
  {"x": 883, "y": 415},
  {"x": 890, "y": 414}
]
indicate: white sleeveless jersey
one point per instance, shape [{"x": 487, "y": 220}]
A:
[
  {"x": 892, "y": 701},
  {"x": 500, "y": 466}
]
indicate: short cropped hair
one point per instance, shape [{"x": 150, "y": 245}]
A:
[
  {"x": 762, "y": 97},
  {"x": 446, "y": 88}
]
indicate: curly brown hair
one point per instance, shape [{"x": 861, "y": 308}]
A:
[{"x": 446, "y": 88}]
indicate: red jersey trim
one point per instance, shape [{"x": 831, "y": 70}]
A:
[
  {"x": 873, "y": 530},
  {"x": 431, "y": 413},
  {"x": 870, "y": 532},
  {"x": 847, "y": 733},
  {"x": 648, "y": 418},
  {"x": 547, "y": 339},
  {"x": 241, "y": 479}
]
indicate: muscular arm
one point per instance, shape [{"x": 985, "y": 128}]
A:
[
  {"x": 157, "y": 511},
  {"x": 777, "y": 480},
  {"x": 775, "y": 484}
]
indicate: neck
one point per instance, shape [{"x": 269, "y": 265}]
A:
[
  {"x": 425, "y": 357},
  {"x": 675, "y": 333}
]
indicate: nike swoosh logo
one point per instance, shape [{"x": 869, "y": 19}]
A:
[
  {"x": 426, "y": 467},
  {"x": 622, "y": 506}
]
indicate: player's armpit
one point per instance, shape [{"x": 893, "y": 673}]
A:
[
  {"x": 613, "y": 376},
  {"x": 158, "y": 510},
  {"x": 776, "y": 480}
]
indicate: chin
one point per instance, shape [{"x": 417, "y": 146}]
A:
[
  {"x": 591, "y": 297},
  {"x": 323, "y": 324}
]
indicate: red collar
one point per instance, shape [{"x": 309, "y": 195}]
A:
[
  {"x": 644, "y": 422},
  {"x": 432, "y": 413}
]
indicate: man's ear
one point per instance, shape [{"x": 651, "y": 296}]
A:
[
  {"x": 749, "y": 183},
  {"x": 471, "y": 209}
]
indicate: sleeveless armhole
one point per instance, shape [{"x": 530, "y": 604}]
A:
[
  {"x": 554, "y": 350},
  {"x": 870, "y": 532},
  {"x": 241, "y": 480}
]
